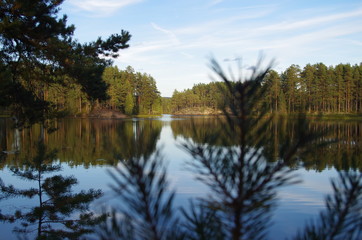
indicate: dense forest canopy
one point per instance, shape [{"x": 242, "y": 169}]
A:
[
  {"x": 129, "y": 92},
  {"x": 313, "y": 89},
  {"x": 37, "y": 52}
]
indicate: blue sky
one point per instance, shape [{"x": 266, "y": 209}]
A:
[{"x": 174, "y": 40}]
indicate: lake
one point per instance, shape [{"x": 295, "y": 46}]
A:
[{"x": 89, "y": 148}]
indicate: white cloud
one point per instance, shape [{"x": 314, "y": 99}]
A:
[
  {"x": 311, "y": 39},
  {"x": 172, "y": 36},
  {"x": 257, "y": 38},
  {"x": 355, "y": 42},
  {"x": 310, "y": 22},
  {"x": 227, "y": 33},
  {"x": 102, "y": 7},
  {"x": 187, "y": 55},
  {"x": 222, "y": 23},
  {"x": 215, "y": 2}
]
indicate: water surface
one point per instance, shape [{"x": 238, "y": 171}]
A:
[{"x": 88, "y": 148}]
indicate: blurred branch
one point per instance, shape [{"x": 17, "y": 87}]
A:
[
  {"x": 343, "y": 217},
  {"x": 148, "y": 212}
]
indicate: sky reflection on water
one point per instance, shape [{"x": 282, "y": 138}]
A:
[{"x": 297, "y": 204}]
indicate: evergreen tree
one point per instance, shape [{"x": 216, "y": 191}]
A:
[
  {"x": 146, "y": 93},
  {"x": 290, "y": 85},
  {"x": 340, "y": 88},
  {"x": 349, "y": 86},
  {"x": 342, "y": 217},
  {"x": 129, "y": 104},
  {"x": 275, "y": 96},
  {"x": 357, "y": 79},
  {"x": 332, "y": 90},
  {"x": 322, "y": 87},
  {"x": 111, "y": 76},
  {"x": 166, "y": 105},
  {"x": 37, "y": 50}
]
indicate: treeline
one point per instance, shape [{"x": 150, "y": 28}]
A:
[
  {"x": 313, "y": 89},
  {"x": 128, "y": 91},
  {"x": 211, "y": 95}
]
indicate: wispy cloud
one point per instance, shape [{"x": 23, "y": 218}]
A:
[
  {"x": 228, "y": 29},
  {"x": 215, "y": 2},
  {"x": 102, "y": 7},
  {"x": 187, "y": 55},
  {"x": 311, "y": 31},
  {"x": 311, "y": 22},
  {"x": 172, "y": 36},
  {"x": 222, "y": 22}
]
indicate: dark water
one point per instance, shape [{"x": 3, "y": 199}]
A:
[{"x": 87, "y": 148}]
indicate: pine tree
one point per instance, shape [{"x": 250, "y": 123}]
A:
[
  {"x": 290, "y": 82},
  {"x": 340, "y": 87},
  {"x": 357, "y": 79},
  {"x": 129, "y": 104},
  {"x": 349, "y": 86},
  {"x": 37, "y": 50},
  {"x": 274, "y": 94}
]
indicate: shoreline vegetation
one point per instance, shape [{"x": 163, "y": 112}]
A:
[
  {"x": 46, "y": 74},
  {"x": 332, "y": 92},
  {"x": 318, "y": 91},
  {"x": 206, "y": 112}
]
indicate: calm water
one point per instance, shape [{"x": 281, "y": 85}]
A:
[{"x": 87, "y": 148}]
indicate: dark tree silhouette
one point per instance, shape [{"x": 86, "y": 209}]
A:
[
  {"x": 243, "y": 180},
  {"x": 37, "y": 51},
  {"x": 146, "y": 210}
]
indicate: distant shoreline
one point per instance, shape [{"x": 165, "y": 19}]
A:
[{"x": 114, "y": 114}]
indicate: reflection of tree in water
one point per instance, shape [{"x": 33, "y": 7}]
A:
[
  {"x": 138, "y": 138},
  {"x": 86, "y": 142},
  {"x": 3, "y": 139},
  {"x": 344, "y": 138},
  {"x": 209, "y": 130},
  {"x": 59, "y": 212},
  {"x": 339, "y": 144},
  {"x": 242, "y": 180}
]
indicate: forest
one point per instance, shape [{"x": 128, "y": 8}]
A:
[
  {"x": 45, "y": 71},
  {"x": 314, "y": 89},
  {"x": 128, "y": 91}
]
